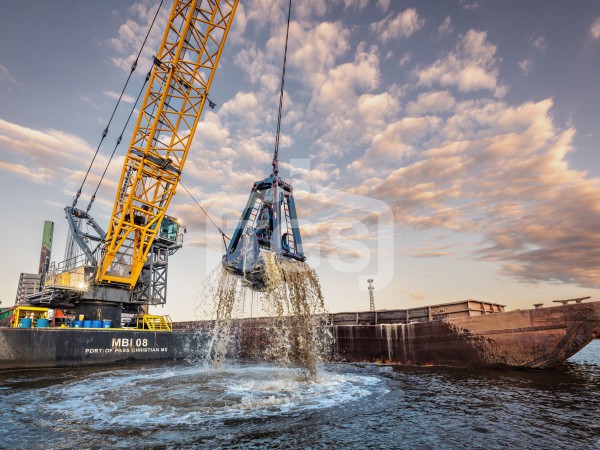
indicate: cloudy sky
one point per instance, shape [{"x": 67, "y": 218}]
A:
[{"x": 448, "y": 150}]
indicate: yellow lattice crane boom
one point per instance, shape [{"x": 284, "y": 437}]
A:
[
  {"x": 177, "y": 92},
  {"x": 124, "y": 270}
]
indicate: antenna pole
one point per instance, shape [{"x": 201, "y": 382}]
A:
[{"x": 371, "y": 296}]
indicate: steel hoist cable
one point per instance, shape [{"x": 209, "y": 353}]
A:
[
  {"x": 278, "y": 132},
  {"x": 223, "y": 235},
  {"x": 143, "y": 88},
  {"x": 276, "y": 153},
  {"x": 105, "y": 131}
]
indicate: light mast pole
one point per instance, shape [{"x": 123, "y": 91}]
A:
[{"x": 371, "y": 296}]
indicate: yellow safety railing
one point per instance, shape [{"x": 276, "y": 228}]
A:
[
  {"x": 28, "y": 312},
  {"x": 154, "y": 323}
]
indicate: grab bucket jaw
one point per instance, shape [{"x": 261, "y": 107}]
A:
[{"x": 268, "y": 224}]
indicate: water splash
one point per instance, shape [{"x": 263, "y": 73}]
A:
[{"x": 285, "y": 317}]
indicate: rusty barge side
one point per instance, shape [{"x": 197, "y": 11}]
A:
[
  {"x": 470, "y": 333},
  {"x": 536, "y": 338}
]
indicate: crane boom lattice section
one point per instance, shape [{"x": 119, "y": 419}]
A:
[{"x": 184, "y": 69}]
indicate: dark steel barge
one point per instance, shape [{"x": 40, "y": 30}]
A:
[
  {"x": 71, "y": 347},
  {"x": 463, "y": 334},
  {"x": 469, "y": 333}
]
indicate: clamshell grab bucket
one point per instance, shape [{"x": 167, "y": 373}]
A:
[{"x": 268, "y": 224}]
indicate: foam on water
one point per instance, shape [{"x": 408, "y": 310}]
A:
[
  {"x": 191, "y": 395},
  {"x": 269, "y": 406}
]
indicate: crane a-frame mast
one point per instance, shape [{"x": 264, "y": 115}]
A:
[{"x": 178, "y": 89}]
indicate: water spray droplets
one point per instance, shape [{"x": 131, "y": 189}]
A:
[{"x": 289, "y": 311}]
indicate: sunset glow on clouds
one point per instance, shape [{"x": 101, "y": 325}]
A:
[{"x": 429, "y": 128}]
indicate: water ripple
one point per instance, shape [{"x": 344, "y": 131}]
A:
[{"x": 265, "y": 406}]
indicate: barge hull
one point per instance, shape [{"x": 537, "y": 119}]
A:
[
  {"x": 47, "y": 347},
  {"x": 537, "y": 338}
]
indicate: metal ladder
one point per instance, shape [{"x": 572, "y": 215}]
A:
[
  {"x": 254, "y": 213},
  {"x": 288, "y": 224}
]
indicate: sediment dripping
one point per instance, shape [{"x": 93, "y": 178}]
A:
[{"x": 292, "y": 302}]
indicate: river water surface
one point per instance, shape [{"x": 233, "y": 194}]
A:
[{"x": 266, "y": 406}]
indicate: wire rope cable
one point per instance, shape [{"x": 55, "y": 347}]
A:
[
  {"x": 118, "y": 142},
  {"x": 223, "y": 235},
  {"x": 105, "y": 131},
  {"x": 276, "y": 152}
]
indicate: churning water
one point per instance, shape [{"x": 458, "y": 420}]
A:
[
  {"x": 291, "y": 301},
  {"x": 268, "y": 406}
]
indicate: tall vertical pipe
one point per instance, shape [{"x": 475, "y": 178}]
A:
[{"x": 46, "y": 247}]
